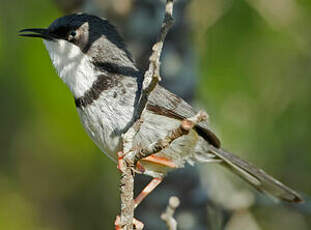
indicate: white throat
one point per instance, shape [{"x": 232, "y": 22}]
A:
[{"x": 72, "y": 65}]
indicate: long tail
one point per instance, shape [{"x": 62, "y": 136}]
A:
[{"x": 256, "y": 177}]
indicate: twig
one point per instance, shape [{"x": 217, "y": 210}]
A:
[
  {"x": 168, "y": 215},
  {"x": 127, "y": 167},
  {"x": 152, "y": 75},
  {"x": 127, "y": 193},
  {"x": 151, "y": 79},
  {"x": 184, "y": 128}
]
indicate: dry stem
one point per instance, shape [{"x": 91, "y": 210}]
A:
[
  {"x": 131, "y": 153},
  {"x": 152, "y": 75},
  {"x": 151, "y": 79},
  {"x": 127, "y": 166},
  {"x": 184, "y": 128},
  {"x": 168, "y": 215}
]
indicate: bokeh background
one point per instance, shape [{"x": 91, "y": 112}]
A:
[{"x": 252, "y": 63}]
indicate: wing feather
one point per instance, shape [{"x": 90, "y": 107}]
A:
[{"x": 175, "y": 107}]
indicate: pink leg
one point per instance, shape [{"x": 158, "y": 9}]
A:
[
  {"x": 155, "y": 181},
  {"x": 163, "y": 161},
  {"x": 148, "y": 189},
  {"x": 139, "y": 167}
]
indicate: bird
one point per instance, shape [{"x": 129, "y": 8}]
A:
[{"x": 92, "y": 59}]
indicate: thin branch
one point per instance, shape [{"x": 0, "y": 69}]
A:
[
  {"x": 184, "y": 128},
  {"x": 152, "y": 75},
  {"x": 127, "y": 167},
  {"x": 151, "y": 79},
  {"x": 168, "y": 215},
  {"x": 126, "y": 194}
]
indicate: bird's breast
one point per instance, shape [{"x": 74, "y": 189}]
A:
[{"x": 106, "y": 119}]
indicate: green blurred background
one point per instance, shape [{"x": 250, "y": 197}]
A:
[{"x": 254, "y": 80}]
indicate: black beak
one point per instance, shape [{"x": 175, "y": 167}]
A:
[{"x": 36, "y": 33}]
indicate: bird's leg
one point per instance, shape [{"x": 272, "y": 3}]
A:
[
  {"x": 163, "y": 161},
  {"x": 147, "y": 190},
  {"x": 154, "y": 159},
  {"x": 139, "y": 167}
]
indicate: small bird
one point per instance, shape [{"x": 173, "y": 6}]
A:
[{"x": 91, "y": 58}]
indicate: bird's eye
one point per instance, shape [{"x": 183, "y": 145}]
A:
[
  {"x": 73, "y": 33},
  {"x": 72, "y": 37}
]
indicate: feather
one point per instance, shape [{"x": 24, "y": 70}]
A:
[{"x": 256, "y": 177}]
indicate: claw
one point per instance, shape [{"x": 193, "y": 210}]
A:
[
  {"x": 117, "y": 223},
  {"x": 120, "y": 161},
  {"x": 140, "y": 168}
]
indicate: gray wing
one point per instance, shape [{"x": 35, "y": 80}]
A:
[{"x": 175, "y": 107}]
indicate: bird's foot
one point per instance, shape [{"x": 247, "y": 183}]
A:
[{"x": 121, "y": 164}]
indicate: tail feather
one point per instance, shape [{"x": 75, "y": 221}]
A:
[{"x": 256, "y": 177}]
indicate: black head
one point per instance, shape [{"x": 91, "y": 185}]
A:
[{"x": 83, "y": 30}]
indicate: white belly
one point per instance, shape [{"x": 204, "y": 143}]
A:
[{"x": 104, "y": 121}]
